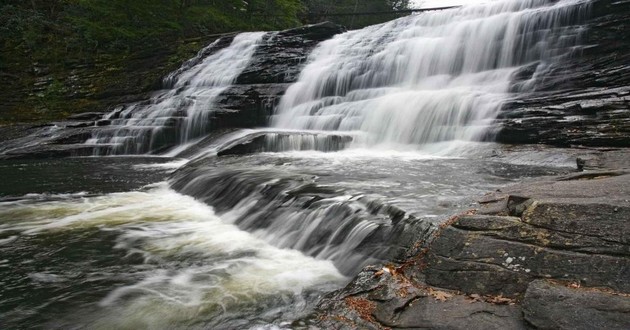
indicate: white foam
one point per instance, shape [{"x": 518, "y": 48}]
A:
[
  {"x": 195, "y": 264},
  {"x": 433, "y": 77}
]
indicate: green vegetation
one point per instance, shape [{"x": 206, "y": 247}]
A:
[{"x": 63, "y": 56}]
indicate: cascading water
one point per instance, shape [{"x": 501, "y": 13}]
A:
[
  {"x": 283, "y": 227},
  {"x": 435, "y": 77},
  {"x": 182, "y": 113}
]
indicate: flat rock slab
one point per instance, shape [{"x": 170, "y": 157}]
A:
[
  {"x": 553, "y": 306},
  {"x": 483, "y": 269},
  {"x": 571, "y": 228}
]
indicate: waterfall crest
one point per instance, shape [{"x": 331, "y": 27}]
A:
[
  {"x": 434, "y": 77},
  {"x": 181, "y": 113}
]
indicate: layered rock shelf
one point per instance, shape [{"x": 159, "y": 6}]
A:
[
  {"x": 584, "y": 99},
  {"x": 549, "y": 254}
]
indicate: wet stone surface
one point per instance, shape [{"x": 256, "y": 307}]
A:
[{"x": 551, "y": 254}]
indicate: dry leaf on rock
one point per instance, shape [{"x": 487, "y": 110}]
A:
[{"x": 440, "y": 295}]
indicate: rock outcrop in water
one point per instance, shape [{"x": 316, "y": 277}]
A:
[
  {"x": 553, "y": 254},
  {"x": 275, "y": 65}
]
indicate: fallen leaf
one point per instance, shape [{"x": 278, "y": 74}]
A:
[
  {"x": 500, "y": 300},
  {"x": 440, "y": 295}
]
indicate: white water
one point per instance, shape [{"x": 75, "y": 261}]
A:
[
  {"x": 434, "y": 77},
  {"x": 195, "y": 266},
  {"x": 182, "y": 113}
]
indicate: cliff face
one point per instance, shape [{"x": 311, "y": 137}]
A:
[{"x": 585, "y": 99}]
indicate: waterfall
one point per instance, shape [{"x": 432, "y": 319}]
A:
[
  {"x": 182, "y": 113},
  {"x": 434, "y": 77},
  {"x": 427, "y": 81}
]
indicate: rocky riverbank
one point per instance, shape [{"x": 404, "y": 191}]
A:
[{"x": 548, "y": 254}]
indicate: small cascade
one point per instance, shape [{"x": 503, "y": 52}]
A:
[
  {"x": 182, "y": 113},
  {"x": 435, "y": 77},
  {"x": 282, "y": 141},
  {"x": 293, "y": 211}
]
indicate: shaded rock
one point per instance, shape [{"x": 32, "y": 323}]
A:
[
  {"x": 87, "y": 116},
  {"x": 281, "y": 57},
  {"x": 276, "y": 64},
  {"x": 246, "y": 106},
  {"x": 584, "y": 99},
  {"x": 553, "y": 306}
]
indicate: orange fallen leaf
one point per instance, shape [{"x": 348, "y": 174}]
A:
[
  {"x": 500, "y": 300},
  {"x": 440, "y": 295}
]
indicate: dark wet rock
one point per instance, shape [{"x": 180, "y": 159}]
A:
[
  {"x": 281, "y": 56},
  {"x": 585, "y": 99},
  {"x": 552, "y": 306},
  {"x": 65, "y": 139},
  {"x": 246, "y": 106},
  {"x": 249, "y": 146},
  {"x": 50, "y": 151},
  {"x": 276, "y": 63},
  {"x": 87, "y": 116}
]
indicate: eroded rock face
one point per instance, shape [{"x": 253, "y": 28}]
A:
[
  {"x": 584, "y": 100},
  {"x": 483, "y": 269}
]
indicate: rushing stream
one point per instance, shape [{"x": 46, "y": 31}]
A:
[{"x": 377, "y": 142}]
